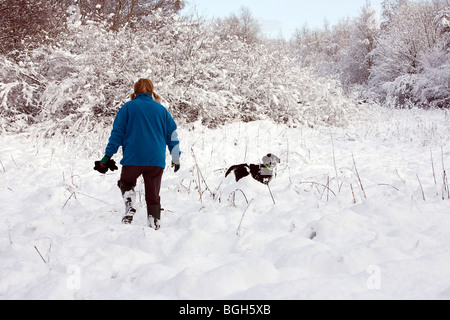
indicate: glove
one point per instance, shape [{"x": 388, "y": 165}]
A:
[
  {"x": 111, "y": 164},
  {"x": 176, "y": 165},
  {"x": 100, "y": 167},
  {"x": 105, "y": 164}
]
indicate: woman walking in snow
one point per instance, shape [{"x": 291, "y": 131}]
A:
[{"x": 143, "y": 127}]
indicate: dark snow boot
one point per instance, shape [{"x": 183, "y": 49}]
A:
[{"x": 154, "y": 216}]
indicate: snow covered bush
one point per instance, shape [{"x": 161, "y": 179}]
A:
[
  {"x": 19, "y": 95},
  {"x": 200, "y": 71},
  {"x": 411, "y": 61},
  {"x": 428, "y": 89},
  {"x": 401, "y": 58}
]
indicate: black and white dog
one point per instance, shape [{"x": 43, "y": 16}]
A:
[{"x": 263, "y": 172}]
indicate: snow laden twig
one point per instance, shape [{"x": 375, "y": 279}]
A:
[
  {"x": 434, "y": 173},
  {"x": 271, "y": 194},
  {"x": 389, "y": 185},
  {"x": 14, "y": 161},
  {"x": 421, "y": 188},
  {"x": 432, "y": 166},
  {"x": 73, "y": 193},
  {"x": 200, "y": 175},
  {"x": 326, "y": 187},
  {"x": 445, "y": 188},
  {"x": 238, "y": 232},
  {"x": 359, "y": 178},
  {"x": 40, "y": 255},
  {"x": 334, "y": 161},
  {"x": 233, "y": 194},
  {"x": 353, "y": 193},
  {"x": 47, "y": 262}
]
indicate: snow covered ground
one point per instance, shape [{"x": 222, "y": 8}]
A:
[{"x": 349, "y": 219}]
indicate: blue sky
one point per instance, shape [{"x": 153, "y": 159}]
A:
[{"x": 285, "y": 16}]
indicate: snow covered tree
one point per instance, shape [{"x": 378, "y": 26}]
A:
[
  {"x": 243, "y": 25},
  {"x": 343, "y": 49},
  {"x": 310, "y": 46},
  {"x": 202, "y": 72},
  {"x": 404, "y": 55},
  {"x": 442, "y": 23},
  {"x": 118, "y": 13},
  {"x": 24, "y": 23},
  {"x": 355, "y": 60}
]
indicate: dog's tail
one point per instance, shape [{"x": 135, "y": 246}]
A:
[
  {"x": 240, "y": 171},
  {"x": 232, "y": 168}
]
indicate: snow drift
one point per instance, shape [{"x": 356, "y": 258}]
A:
[{"x": 359, "y": 213}]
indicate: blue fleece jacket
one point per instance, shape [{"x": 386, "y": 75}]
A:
[{"x": 144, "y": 128}]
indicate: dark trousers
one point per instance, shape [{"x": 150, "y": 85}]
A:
[{"x": 152, "y": 181}]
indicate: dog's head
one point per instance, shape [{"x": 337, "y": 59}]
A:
[
  {"x": 271, "y": 160},
  {"x": 269, "y": 163}
]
